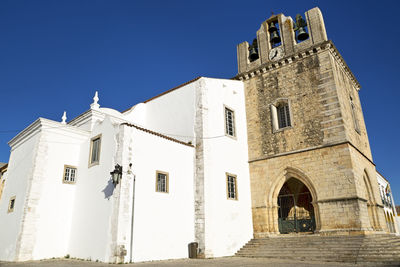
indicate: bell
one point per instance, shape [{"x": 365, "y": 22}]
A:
[
  {"x": 272, "y": 28},
  {"x": 253, "y": 53},
  {"x": 275, "y": 38},
  {"x": 302, "y": 34}
]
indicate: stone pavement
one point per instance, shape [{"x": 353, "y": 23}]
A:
[{"x": 220, "y": 262}]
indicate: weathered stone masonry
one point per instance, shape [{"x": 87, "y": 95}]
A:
[{"x": 322, "y": 148}]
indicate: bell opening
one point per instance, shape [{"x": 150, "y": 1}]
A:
[
  {"x": 301, "y": 29},
  {"x": 274, "y": 34},
  {"x": 253, "y": 51}
]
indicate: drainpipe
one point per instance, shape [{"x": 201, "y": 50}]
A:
[{"x": 133, "y": 215}]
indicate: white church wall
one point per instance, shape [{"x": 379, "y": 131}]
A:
[
  {"x": 228, "y": 222},
  {"x": 173, "y": 113},
  {"x": 136, "y": 114},
  {"x": 163, "y": 222},
  {"x": 19, "y": 172},
  {"x": 93, "y": 197},
  {"x": 56, "y": 203}
]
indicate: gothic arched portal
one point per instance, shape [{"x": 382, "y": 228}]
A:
[{"x": 295, "y": 209}]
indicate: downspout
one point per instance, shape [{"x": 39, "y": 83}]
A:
[{"x": 133, "y": 215}]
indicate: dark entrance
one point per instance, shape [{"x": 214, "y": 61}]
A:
[{"x": 295, "y": 213}]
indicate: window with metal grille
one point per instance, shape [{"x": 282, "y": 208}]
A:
[
  {"x": 229, "y": 122},
  {"x": 231, "y": 186},
  {"x": 69, "y": 174},
  {"x": 162, "y": 182},
  {"x": 283, "y": 115},
  {"x": 95, "y": 150},
  {"x": 280, "y": 114}
]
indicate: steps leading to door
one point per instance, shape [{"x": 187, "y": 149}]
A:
[{"x": 382, "y": 248}]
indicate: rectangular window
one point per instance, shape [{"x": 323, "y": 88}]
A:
[
  {"x": 280, "y": 115},
  {"x": 11, "y": 204},
  {"x": 69, "y": 174},
  {"x": 162, "y": 182},
  {"x": 283, "y": 116},
  {"x": 353, "y": 113},
  {"x": 229, "y": 122},
  {"x": 95, "y": 145},
  {"x": 231, "y": 186}
]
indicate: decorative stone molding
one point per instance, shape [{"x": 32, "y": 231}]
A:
[{"x": 303, "y": 54}]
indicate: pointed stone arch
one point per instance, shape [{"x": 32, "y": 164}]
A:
[
  {"x": 272, "y": 197},
  {"x": 371, "y": 202}
]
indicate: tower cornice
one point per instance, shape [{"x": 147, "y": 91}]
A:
[{"x": 327, "y": 45}]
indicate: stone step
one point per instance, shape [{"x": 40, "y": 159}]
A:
[{"x": 376, "y": 248}]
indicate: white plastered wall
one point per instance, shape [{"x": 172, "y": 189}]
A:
[
  {"x": 56, "y": 204},
  {"x": 164, "y": 222},
  {"x": 89, "y": 237},
  {"x": 173, "y": 113},
  {"x": 228, "y": 222},
  {"x": 19, "y": 171}
]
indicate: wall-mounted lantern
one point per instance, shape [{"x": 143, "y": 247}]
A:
[{"x": 116, "y": 174}]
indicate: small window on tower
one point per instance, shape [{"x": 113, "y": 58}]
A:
[
  {"x": 230, "y": 122},
  {"x": 283, "y": 115},
  {"x": 280, "y": 115},
  {"x": 354, "y": 115}
]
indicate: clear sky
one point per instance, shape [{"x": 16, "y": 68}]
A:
[{"x": 55, "y": 54}]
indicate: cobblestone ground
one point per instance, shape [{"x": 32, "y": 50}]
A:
[{"x": 223, "y": 262}]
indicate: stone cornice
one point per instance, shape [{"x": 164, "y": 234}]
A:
[
  {"x": 309, "y": 149},
  {"x": 44, "y": 124},
  {"x": 84, "y": 116},
  {"x": 328, "y": 45}
]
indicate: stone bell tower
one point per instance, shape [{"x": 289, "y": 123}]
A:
[{"x": 311, "y": 167}]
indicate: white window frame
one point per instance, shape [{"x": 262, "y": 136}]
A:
[
  {"x": 275, "y": 116},
  {"x": 230, "y": 126},
  {"x": 231, "y": 179},
  {"x": 69, "y": 174},
  {"x": 159, "y": 188},
  {"x": 96, "y": 161}
]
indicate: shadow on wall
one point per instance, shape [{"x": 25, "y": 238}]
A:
[{"x": 108, "y": 190}]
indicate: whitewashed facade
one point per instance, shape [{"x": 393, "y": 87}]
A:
[
  {"x": 389, "y": 206},
  {"x": 48, "y": 211}
]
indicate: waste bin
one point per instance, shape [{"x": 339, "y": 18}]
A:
[{"x": 193, "y": 250}]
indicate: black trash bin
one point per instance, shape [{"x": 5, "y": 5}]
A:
[{"x": 193, "y": 250}]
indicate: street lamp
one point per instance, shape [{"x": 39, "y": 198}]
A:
[{"x": 116, "y": 174}]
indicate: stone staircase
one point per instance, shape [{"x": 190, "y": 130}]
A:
[{"x": 378, "y": 248}]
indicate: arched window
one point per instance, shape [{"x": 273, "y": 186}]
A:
[{"x": 281, "y": 114}]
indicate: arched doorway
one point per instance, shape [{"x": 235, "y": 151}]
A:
[{"x": 295, "y": 209}]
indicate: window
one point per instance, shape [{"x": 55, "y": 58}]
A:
[
  {"x": 353, "y": 114},
  {"x": 95, "y": 150},
  {"x": 229, "y": 122},
  {"x": 283, "y": 115},
  {"x": 162, "y": 182},
  {"x": 11, "y": 204},
  {"x": 231, "y": 186},
  {"x": 280, "y": 115},
  {"x": 69, "y": 176}
]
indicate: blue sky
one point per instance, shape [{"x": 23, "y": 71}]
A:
[{"x": 55, "y": 54}]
